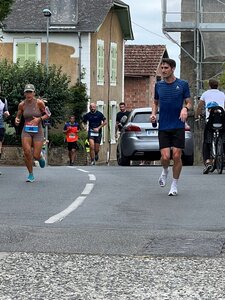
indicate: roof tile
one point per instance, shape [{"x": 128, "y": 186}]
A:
[{"x": 143, "y": 60}]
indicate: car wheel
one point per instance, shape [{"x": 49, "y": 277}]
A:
[
  {"x": 118, "y": 156},
  {"x": 188, "y": 160},
  {"x": 122, "y": 160}
]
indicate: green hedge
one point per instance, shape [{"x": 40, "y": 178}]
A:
[{"x": 12, "y": 139}]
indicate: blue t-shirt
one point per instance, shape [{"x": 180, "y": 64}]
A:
[
  {"x": 68, "y": 124},
  {"x": 170, "y": 97},
  {"x": 94, "y": 119}
]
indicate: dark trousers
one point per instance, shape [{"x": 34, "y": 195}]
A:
[{"x": 206, "y": 147}]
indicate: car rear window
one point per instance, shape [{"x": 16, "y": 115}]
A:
[{"x": 143, "y": 117}]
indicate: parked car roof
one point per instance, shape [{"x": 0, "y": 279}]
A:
[{"x": 142, "y": 109}]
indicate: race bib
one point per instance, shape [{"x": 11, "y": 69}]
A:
[
  {"x": 92, "y": 133},
  {"x": 31, "y": 128},
  {"x": 72, "y": 135}
]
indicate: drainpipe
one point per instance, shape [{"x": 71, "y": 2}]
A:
[
  {"x": 80, "y": 48},
  {"x": 197, "y": 46}
]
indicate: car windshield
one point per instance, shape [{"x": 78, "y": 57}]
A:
[{"x": 143, "y": 117}]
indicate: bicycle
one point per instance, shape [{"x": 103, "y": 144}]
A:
[
  {"x": 215, "y": 136},
  {"x": 217, "y": 124},
  {"x": 217, "y": 153}
]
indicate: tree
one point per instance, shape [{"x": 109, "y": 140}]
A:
[
  {"x": 5, "y": 8},
  {"x": 77, "y": 103},
  {"x": 53, "y": 86}
]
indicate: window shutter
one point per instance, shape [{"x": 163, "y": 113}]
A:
[
  {"x": 100, "y": 62},
  {"x": 26, "y": 51},
  {"x": 32, "y": 52},
  {"x": 113, "y": 64},
  {"x": 21, "y": 53}
]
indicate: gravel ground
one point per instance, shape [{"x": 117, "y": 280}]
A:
[{"x": 82, "y": 277}]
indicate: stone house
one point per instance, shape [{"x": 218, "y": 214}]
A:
[
  {"x": 141, "y": 70},
  {"x": 84, "y": 37}
]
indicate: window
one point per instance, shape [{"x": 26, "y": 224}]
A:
[
  {"x": 65, "y": 12},
  {"x": 100, "y": 62},
  {"x": 100, "y": 107},
  {"x": 113, "y": 64},
  {"x": 143, "y": 117},
  {"x": 25, "y": 49},
  {"x": 112, "y": 120}
]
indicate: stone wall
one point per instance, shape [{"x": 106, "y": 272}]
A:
[
  {"x": 56, "y": 156},
  {"x": 197, "y": 128}
]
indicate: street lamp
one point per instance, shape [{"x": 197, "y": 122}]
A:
[{"x": 47, "y": 13}]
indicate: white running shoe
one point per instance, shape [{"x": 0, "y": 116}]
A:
[
  {"x": 173, "y": 191},
  {"x": 162, "y": 180}
]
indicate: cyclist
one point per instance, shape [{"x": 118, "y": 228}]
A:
[
  {"x": 208, "y": 139},
  {"x": 213, "y": 94}
]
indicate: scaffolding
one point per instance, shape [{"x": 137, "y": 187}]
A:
[{"x": 202, "y": 27}]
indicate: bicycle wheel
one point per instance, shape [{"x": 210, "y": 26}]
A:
[
  {"x": 219, "y": 156},
  {"x": 213, "y": 155}
]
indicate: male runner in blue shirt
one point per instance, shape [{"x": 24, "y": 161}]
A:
[
  {"x": 96, "y": 120},
  {"x": 172, "y": 97}
]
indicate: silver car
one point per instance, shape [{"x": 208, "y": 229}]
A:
[{"x": 139, "y": 140}]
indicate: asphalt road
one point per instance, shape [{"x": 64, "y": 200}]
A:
[
  {"x": 111, "y": 210},
  {"x": 109, "y": 232}
]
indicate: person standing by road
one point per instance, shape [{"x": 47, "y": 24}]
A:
[
  {"x": 33, "y": 111},
  {"x": 3, "y": 113},
  {"x": 121, "y": 118},
  {"x": 71, "y": 130},
  {"x": 172, "y": 97},
  {"x": 96, "y": 120},
  {"x": 213, "y": 94}
]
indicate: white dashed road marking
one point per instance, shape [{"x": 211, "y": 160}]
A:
[
  {"x": 92, "y": 177},
  {"x": 88, "y": 188},
  {"x": 82, "y": 170},
  {"x": 76, "y": 203},
  {"x": 60, "y": 216}
]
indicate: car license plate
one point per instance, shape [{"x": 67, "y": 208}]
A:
[{"x": 152, "y": 132}]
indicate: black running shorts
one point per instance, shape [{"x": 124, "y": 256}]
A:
[{"x": 172, "y": 138}]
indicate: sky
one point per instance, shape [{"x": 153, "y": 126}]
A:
[{"x": 146, "y": 18}]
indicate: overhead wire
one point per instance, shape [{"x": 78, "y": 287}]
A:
[{"x": 166, "y": 37}]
